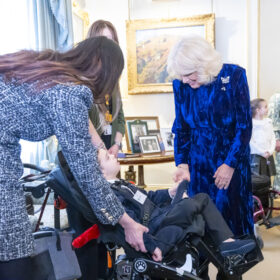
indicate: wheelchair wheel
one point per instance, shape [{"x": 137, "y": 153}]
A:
[{"x": 267, "y": 209}]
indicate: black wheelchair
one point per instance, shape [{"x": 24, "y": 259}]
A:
[{"x": 189, "y": 259}]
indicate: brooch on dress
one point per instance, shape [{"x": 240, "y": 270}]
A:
[{"x": 225, "y": 80}]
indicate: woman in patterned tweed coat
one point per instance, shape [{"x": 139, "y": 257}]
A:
[{"x": 49, "y": 93}]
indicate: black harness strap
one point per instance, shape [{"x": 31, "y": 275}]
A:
[{"x": 128, "y": 190}]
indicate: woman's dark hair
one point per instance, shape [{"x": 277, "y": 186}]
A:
[
  {"x": 95, "y": 62},
  {"x": 255, "y": 104},
  {"x": 98, "y": 26}
]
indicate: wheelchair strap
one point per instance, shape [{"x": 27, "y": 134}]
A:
[{"x": 136, "y": 197}]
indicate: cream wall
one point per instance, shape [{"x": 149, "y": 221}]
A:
[
  {"x": 269, "y": 81},
  {"x": 231, "y": 41}
]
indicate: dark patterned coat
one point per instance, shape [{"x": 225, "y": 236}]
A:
[{"x": 62, "y": 111}]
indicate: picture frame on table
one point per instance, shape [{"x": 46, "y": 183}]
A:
[
  {"x": 149, "y": 42},
  {"x": 136, "y": 129},
  {"x": 149, "y": 144},
  {"x": 152, "y": 123},
  {"x": 167, "y": 139}
]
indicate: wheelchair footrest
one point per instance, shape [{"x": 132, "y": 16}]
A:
[{"x": 239, "y": 264}]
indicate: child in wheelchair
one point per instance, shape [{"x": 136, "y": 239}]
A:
[
  {"x": 181, "y": 229},
  {"x": 169, "y": 214}
]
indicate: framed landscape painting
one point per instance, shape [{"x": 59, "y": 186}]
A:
[{"x": 149, "y": 43}]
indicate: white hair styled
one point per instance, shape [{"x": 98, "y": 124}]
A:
[{"x": 194, "y": 54}]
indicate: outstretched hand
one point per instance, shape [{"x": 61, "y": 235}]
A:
[
  {"x": 223, "y": 176},
  {"x": 182, "y": 174},
  {"x": 133, "y": 233}
]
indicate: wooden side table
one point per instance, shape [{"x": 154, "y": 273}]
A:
[{"x": 142, "y": 160}]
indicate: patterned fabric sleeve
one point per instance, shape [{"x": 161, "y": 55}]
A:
[
  {"x": 70, "y": 121},
  {"x": 180, "y": 128},
  {"x": 243, "y": 126}
]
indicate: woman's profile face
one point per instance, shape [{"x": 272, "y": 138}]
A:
[
  {"x": 107, "y": 33},
  {"x": 191, "y": 79}
]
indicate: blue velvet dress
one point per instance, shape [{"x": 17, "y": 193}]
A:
[{"x": 213, "y": 126}]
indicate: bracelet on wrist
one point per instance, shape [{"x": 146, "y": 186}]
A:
[
  {"x": 182, "y": 167},
  {"x": 100, "y": 146},
  {"x": 119, "y": 144}
]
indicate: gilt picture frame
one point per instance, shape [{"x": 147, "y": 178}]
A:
[
  {"x": 80, "y": 20},
  {"x": 148, "y": 46}
]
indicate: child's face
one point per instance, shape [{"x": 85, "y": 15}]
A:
[
  {"x": 108, "y": 163},
  {"x": 263, "y": 110}
]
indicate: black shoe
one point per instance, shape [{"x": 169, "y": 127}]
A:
[{"x": 237, "y": 247}]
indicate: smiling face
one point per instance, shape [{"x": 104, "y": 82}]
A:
[
  {"x": 191, "y": 79},
  {"x": 109, "y": 164}
]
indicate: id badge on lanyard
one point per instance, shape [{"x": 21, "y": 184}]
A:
[{"x": 108, "y": 129}]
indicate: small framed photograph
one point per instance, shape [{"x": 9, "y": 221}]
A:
[
  {"x": 149, "y": 144},
  {"x": 151, "y": 123},
  {"x": 158, "y": 134},
  {"x": 136, "y": 129},
  {"x": 167, "y": 139}
]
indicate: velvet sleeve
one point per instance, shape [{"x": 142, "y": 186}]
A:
[
  {"x": 243, "y": 120},
  {"x": 180, "y": 127}
]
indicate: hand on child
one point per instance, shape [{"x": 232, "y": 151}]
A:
[
  {"x": 133, "y": 233},
  {"x": 223, "y": 176},
  {"x": 157, "y": 255}
]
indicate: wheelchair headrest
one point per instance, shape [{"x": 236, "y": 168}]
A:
[{"x": 65, "y": 185}]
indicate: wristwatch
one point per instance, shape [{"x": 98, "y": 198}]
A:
[{"x": 119, "y": 144}]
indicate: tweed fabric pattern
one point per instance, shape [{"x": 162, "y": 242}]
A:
[{"x": 62, "y": 111}]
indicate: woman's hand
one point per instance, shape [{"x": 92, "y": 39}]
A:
[
  {"x": 182, "y": 173},
  {"x": 223, "y": 176},
  {"x": 133, "y": 233},
  {"x": 114, "y": 150}
]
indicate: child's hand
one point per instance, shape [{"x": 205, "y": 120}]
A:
[
  {"x": 173, "y": 190},
  {"x": 157, "y": 255},
  {"x": 182, "y": 173}
]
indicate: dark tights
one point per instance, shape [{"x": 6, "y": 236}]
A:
[{"x": 20, "y": 269}]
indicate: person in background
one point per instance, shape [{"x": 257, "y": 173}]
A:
[
  {"x": 263, "y": 141},
  {"x": 108, "y": 119},
  {"x": 273, "y": 114},
  {"x": 212, "y": 130},
  {"x": 49, "y": 93}
]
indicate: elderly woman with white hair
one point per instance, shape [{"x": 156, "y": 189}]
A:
[{"x": 213, "y": 129}]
